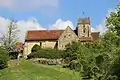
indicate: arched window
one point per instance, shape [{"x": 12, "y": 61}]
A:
[
  {"x": 84, "y": 29},
  {"x": 88, "y": 31}
]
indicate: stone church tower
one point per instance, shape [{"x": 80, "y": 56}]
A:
[{"x": 83, "y": 27}]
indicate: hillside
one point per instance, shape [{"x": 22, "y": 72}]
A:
[{"x": 27, "y": 70}]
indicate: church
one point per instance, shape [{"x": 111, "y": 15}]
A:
[{"x": 59, "y": 38}]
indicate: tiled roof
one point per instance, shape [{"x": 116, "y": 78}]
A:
[
  {"x": 85, "y": 39},
  {"x": 20, "y": 45},
  {"x": 84, "y": 20},
  {"x": 43, "y": 34},
  {"x": 54, "y": 35},
  {"x": 95, "y": 35}
]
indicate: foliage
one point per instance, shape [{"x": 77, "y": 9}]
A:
[
  {"x": 111, "y": 38},
  {"x": 115, "y": 70},
  {"x": 74, "y": 65},
  {"x": 3, "y": 58},
  {"x": 13, "y": 55},
  {"x": 70, "y": 52},
  {"x": 113, "y": 21},
  {"x": 94, "y": 59},
  {"x": 35, "y": 48},
  {"x": 46, "y": 53}
]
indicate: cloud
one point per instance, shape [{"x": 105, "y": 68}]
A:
[
  {"x": 30, "y": 24},
  {"x": 61, "y": 24},
  {"x": 101, "y": 27},
  {"x": 3, "y": 23},
  {"x": 23, "y": 26},
  {"x": 29, "y": 4},
  {"x": 93, "y": 29}
]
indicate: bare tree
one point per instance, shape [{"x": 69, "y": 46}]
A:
[{"x": 10, "y": 37}]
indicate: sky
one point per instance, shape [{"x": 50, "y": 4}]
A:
[{"x": 54, "y": 14}]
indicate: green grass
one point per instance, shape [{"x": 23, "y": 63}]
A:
[{"x": 31, "y": 71}]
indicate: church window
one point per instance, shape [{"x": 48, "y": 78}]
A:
[
  {"x": 88, "y": 31},
  {"x": 64, "y": 36},
  {"x": 84, "y": 29}
]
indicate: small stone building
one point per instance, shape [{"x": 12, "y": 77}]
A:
[{"x": 59, "y": 38}]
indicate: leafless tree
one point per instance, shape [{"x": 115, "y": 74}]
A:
[{"x": 10, "y": 37}]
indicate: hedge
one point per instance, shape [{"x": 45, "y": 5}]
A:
[
  {"x": 4, "y": 57},
  {"x": 35, "y": 48},
  {"x": 46, "y": 53}
]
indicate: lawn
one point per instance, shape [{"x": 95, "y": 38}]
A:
[{"x": 27, "y": 70}]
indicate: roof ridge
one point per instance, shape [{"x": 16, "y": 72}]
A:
[
  {"x": 47, "y": 30},
  {"x": 95, "y": 32}
]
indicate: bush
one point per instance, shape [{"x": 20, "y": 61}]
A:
[
  {"x": 65, "y": 66},
  {"x": 70, "y": 53},
  {"x": 35, "y": 48},
  {"x": 13, "y": 55},
  {"x": 3, "y": 58},
  {"x": 46, "y": 53},
  {"x": 74, "y": 65}
]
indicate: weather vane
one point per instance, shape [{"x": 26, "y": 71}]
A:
[{"x": 83, "y": 14}]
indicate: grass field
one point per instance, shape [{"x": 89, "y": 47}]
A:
[{"x": 27, "y": 70}]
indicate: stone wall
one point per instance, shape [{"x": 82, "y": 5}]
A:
[
  {"x": 28, "y": 46},
  {"x": 48, "y": 44},
  {"x": 47, "y": 61},
  {"x": 44, "y": 44},
  {"x": 81, "y": 32},
  {"x": 67, "y": 37}
]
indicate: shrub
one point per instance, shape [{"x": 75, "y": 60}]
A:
[
  {"x": 70, "y": 53},
  {"x": 3, "y": 58},
  {"x": 46, "y": 53},
  {"x": 115, "y": 68},
  {"x": 13, "y": 55},
  {"x": 65, "y": 66},
  {"x": 74, "y": 65},
  {"x": 35, "y": 48}
]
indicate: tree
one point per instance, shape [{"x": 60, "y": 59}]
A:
[
  {"x": 10, "y": 37},
  {"x": 113, "y": 21}
]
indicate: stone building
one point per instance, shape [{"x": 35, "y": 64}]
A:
[{"x": 59, "y": 38}]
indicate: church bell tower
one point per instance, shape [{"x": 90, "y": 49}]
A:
[{"x": 83, "y": 27}]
